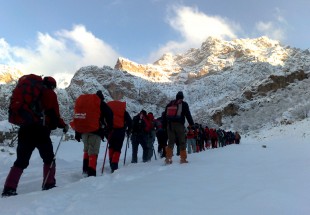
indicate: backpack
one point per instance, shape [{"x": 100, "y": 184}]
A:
[
  {"x": 118, "y": 109},
  {"x": 25, "y": 106},
  {"x": 86, "y": 113},
  {"x": 138, "y": 125},
  {"x": 174, "y": 110},
  {"x": 148, "y": 124},
  {"x": 158, "y": 124}
]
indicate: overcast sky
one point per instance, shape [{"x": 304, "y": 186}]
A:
[{"x": 60, "y": 36}]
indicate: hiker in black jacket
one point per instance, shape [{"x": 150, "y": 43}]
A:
[{"x": 174, "y": 119}]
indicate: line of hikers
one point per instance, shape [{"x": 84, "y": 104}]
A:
[
  {"x": 34, "y": 107},
  {"x": 197, "y": 138}
]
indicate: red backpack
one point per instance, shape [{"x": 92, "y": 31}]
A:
[
  {"x": 25, "y": 106},
  {"x": 86, "y": 113},
  {"x": 118, "y": 109},
  {"x": 174, "y": 110},
  {"x": 148, "y": 124}
]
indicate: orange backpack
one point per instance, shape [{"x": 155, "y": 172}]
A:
[
  {"x": 118, "y": 108},
  {"x": 86, "y": 113}
]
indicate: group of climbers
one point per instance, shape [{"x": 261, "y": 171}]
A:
[
  {"x": 199, "y": 139},
  {"x": 93, "y": 121}
]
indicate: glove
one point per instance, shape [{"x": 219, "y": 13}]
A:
[
  {"x": 78, "y": 136},
  {"x": 66, "y": 128}
]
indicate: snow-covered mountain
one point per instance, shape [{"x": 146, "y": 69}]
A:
[
  {"x": 9, "y": 74},
  {"x": 243, "y": 84}
]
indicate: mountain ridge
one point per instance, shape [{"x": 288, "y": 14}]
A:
[{"x": 222, "y": 81}]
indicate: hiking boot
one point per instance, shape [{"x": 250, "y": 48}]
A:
[
  {"x": 85, "y": 165},
  {"x": 183, "y": 161},
  {"x": 183, "y": 157},
  {"x": 91, "y": 172},
  {"x": 114, "y": 166},
  {"x": 8, "y": 192},
  {"x": 85, "y": 174},
  {"x": 168, "y": 161},
  {"x": 48, "y": 186}
]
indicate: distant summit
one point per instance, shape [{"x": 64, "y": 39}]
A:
[
  {"x": 9, "y": 74},
  {"x": 213, "y": 56}
]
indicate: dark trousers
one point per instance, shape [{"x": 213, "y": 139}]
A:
[
  {"x": 137, "y": 139},
  {"x": 29, "y": 138},
  {"x": 116, "y": 139},
  {"x": 115, "y": 146},
  {"x": 162, "y": 139}
]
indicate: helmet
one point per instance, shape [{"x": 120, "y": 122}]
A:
[{"x": 49, "y": 82}]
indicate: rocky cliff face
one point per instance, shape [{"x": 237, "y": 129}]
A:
[{"x": 242, "y": 84}]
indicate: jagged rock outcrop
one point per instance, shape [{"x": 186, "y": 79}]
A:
[
  {"x": 149, "y": 71},
  {"x": 265, "y": 89},
  {"x": 275, "y": 82}
]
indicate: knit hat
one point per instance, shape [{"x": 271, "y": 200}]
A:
[
  {"x": 49, "y": 82},
  {"x": 143, "y": 112},
  {"x": 100, "y": 95},
  {"x": 179, "y": 95}
]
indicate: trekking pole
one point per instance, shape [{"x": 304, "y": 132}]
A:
[
  {"x": 127, "y": 146},
  {"x": 48, "y": 173},
  {"x": 105, "y": 156}
]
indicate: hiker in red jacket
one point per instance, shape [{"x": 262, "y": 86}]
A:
[
  {"x": 190, "y": 140},
  {"x": 37, "y": 136},
  {"x": 121, "y": 125},
  {"x": 213, "y": 136},
  {"x": 151, "y": 135},
  {"x": 207, "y": 138}
]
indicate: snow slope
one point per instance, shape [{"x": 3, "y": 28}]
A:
[{"x": 237, "y": 179}]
